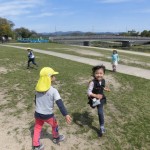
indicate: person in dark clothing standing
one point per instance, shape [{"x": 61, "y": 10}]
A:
[
  {"x": 95, "y": 94},
  {"x": 31, "y": 58}
]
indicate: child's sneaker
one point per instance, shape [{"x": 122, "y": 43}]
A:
[
  {"x": 95, "y": 102},
  {"x": 59, "y": 139},
  {"x": 41, "y": 147},
  {"x": 102, "y": 128},
  {"x": 101, "y": 132}
]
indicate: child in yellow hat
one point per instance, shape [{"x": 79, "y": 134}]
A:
[
  {"x": 31, "y": 58},
  {"x": 46, "y": 96}
]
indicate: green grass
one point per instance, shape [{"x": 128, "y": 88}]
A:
[
  {"x": 141, "y": 48},
  {"x": 127, "y": 118},
  {"x": 118, "y": 45},
  {"x": 126, "y": 59}
]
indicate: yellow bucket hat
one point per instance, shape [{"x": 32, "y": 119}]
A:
[
  {"x": 44, "y": 81},
  {"x": 28, "y": 48}
]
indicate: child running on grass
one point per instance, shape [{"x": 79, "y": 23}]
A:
[
  {"x": 115, "y": 59},
  {"x": 46, "y": 96},
  {"x": 96, "y": 95},
  {"x": 31, "y": 58}
]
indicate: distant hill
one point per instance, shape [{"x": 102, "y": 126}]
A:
[{"x": 76, "y": 33}]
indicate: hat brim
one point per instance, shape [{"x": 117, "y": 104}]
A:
[{"x": 55, "y": 73}]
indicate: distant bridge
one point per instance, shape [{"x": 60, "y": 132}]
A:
[{"x": 85, "y": 40}]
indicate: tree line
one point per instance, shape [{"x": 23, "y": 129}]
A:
[
  {"x": 7, "y": 28},
  {"x": 144, "y": 33}
]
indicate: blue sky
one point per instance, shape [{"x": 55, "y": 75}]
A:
[{"x": 78, "y": 15}]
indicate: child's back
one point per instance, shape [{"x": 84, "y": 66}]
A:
[
  {"x": 45, "y": 97},
  {"x": 45, "y": 101}
]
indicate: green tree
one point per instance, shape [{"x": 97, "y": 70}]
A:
[
  {"x": 24, "y": 32},
  {"x": 89, "y": 33},
  {"x": 6, "y": 27},
  {"x": 145, "y": 33},
  {"x": 34, "y": 34},
  {"x": 130, "y": 33}
]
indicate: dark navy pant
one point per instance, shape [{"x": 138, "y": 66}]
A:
[
  {"x": 31, "y": 60},
  {"x": 100, "y": 114}
]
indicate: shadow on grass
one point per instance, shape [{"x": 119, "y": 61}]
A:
[
  {"x": 31, "y": 67},
  {"x": 84, "y": 119}
]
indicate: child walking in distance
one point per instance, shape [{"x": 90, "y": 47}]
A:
[
  {"x": 31, "y": 58},
  {"x": 46, "y": 96},
  {"x": 115, "y": 59},
  {"x": 95, "y": 94}
]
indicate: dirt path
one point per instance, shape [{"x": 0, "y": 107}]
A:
[{"x": 143, "y": 73}]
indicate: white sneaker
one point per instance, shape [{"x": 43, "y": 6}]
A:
[
  {"x": 103, "y": 130},
  {"x": 95, "y": 102}
]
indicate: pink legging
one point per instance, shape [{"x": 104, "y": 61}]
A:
[{"x": 38, "y": 127}]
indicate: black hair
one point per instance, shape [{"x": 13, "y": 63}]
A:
[
  {"x": 98, "y": 67},
  {"x": 114, "y": 51}
]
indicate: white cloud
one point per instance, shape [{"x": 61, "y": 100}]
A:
[{"x": 18, "y": 7}]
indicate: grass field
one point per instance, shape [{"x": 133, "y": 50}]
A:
[
  {"x": 126, "y": 59},
  {"x": 135, "y": 47},
  {"x": 127, "y": 114}
]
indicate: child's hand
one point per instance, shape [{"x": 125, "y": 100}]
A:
[
  {"x": 99, "y": 96},
  {"x": 107, "y": 89},
  {"x": 68, "y": 119}
]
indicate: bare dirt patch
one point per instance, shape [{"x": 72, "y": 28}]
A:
[
  {"x": 3, "y": 70},
  {"x": 126, "y": 61},
  {"x": 80, "y": 51},
  {"x": 112, "y": 83},
  {"x": 82, "y": 80},
  {"x": 73, "y": 141},
  {"x": 3, "y": 99},
  {"x": 14, "y": 131},
  {"x": 11, "y": 68},
  {"x": 85, "y": 52},
  {"x": 114, "y": 114}
]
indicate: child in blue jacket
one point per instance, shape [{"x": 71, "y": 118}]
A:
[{"x": 115, "y": 60}]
